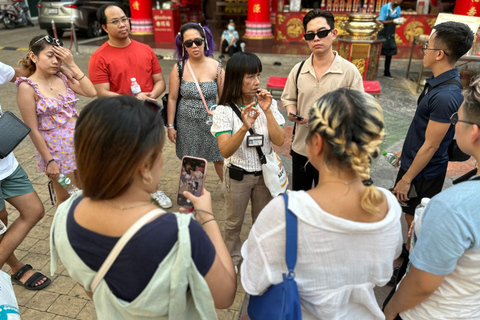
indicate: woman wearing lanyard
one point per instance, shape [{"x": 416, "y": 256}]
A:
[
  {"x": 390, "y": 17},
  {"x": 243, "y": 180}
]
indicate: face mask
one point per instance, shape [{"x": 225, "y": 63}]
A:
[{"x": 231, "y": 28}]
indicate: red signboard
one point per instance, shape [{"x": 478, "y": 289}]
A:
[{"x": 166, "y": 24}]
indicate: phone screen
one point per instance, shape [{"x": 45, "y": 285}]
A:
[{"x": 192, "y": 177}]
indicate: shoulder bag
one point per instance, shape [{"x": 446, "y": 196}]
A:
[
  {"x": 12, "y": 132},
  {"x": 121, "y": 244},
  {"x": 274, "y": 173},
  {"x": 281, "y": 301},
  {"x": 179, "y": 96},
  {"x": 209, "y": 110}
]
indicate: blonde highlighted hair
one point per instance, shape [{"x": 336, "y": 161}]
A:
[{"x": 351, "y": 122}]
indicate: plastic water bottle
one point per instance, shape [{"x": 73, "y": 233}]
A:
[
  {"x": 67, "y": 184},
  {"x": 391, "y": 158},
  {"x": 135, "y": 87}
]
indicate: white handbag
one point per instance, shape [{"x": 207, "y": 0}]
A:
[{"x": 274, "y": 173}]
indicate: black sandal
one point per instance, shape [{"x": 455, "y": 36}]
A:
[{"x": 30, "y": 283}]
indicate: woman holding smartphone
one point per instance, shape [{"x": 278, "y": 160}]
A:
[
  {"x": 243, "y": 180},
  {"x": 176, "y": 266},
  {"x": 47, "y": 103}
]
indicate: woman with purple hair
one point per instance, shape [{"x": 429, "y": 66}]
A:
[{"x": 194, "y": 84}]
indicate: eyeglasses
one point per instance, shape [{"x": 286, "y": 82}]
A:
[
  {"x": 50, "y": 40},
  {"x": 320, "y": 34},
  {"x": 123, "y": 20},
  {"x": 157, "y": 108},
  {"x": 189, "y": 43},
  {"x": 425, "y": 47},
  {"x": 454, "y": 119}
]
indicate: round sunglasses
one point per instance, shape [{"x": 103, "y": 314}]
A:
[
  {"x": 189, "y": 43},
  {"x": 320, "y": 34}
]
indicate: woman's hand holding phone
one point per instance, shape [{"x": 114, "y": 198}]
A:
[
  {"x": 296, "y": 118},
  {"x": 204, "y": 203}
]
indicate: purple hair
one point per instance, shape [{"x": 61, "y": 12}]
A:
[{"x": 204, "y": 32}]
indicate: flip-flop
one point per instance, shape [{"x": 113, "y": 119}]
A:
[{"x": 30, "y": 283}]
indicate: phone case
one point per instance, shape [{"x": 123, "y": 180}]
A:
[{"x": 191, "y": 180}]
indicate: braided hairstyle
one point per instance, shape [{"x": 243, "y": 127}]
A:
[{"x": 351, "y": 123}]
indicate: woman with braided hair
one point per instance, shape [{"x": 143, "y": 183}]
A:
[{"x": 349, "y": 231}]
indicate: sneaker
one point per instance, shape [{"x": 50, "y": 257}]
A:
[
  {"x": 161, "y": 198},
  {"x": 389, "y": 77}
]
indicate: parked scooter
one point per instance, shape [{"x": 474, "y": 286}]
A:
[{"x": 16, "y": 15}]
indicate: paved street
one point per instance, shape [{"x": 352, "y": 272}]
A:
[{"x": 64, "y": 299}]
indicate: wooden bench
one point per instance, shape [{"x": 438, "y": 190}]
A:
[
  {"x": 222, "y": 10},
  {"x": 278, "y": 83}
]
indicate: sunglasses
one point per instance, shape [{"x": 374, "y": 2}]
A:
[
  {"x": 320, "y": 34},
  {"x": 454, "y": 119},
  {"x": 50, "y": 40},
  {"x": 189, "y": 43}
]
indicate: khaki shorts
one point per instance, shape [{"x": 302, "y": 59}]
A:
[{"x": 16, "y": 184}]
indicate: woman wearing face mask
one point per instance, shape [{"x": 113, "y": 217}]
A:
[
  {"x": 47, "y": 103},
  {"x": 201, "y": 81},
  {"x": 229, "y": 40},
  {"x": 243, "y": 180}
]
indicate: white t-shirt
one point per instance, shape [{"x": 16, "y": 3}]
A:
[
  {"x": 9, "y": 163},
  {"x": 339, "y": 261},
  {"x": 225, "y": 120}
]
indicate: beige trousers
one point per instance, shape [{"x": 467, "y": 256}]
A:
[{"x": 237, "y": 195}]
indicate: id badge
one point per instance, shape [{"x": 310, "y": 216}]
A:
[{"x": 255, "y": 140}]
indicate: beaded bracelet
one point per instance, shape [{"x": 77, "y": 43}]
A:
[{"x": 208, "y": 221}]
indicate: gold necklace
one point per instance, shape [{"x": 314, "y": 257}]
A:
[
  {"x": 342, "y": 182},
  {"x": 126, "y": 208},
  {"x": 50, "y": 86}
]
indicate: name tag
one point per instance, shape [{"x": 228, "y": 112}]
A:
[{"x": 255, "y": 140}]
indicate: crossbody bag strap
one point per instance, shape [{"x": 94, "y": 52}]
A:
[
  {"x": 112, "y": 256},
  {"x": 198, "y": 87},
  {"x": 291, "y": 239},
  {"x": 263, "y": 159}
]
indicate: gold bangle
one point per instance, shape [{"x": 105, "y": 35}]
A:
[
  {"x": 81, "y": 77},
  {"x": 208, "y": 221}
]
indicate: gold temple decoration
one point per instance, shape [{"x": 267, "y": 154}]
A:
[
  {"x": 294, "y": 28},
  {"x": 362, "y": 26}
]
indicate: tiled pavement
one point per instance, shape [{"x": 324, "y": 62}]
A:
[{"x": 64, "y": 299}]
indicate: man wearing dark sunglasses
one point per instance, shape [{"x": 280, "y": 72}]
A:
[
  {"x": 424, "y": 156},
  {"x": 322, "y": 72},
  {"x": 117, "y": 61}
]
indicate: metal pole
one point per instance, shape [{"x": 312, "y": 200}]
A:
[
  {"x": 72, "y": 28},
  {"x": 54, "y": 29}
]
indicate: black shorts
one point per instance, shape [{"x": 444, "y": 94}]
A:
[{"x": 424, "y": 188}]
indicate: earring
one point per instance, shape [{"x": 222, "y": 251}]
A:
[{"x": 150, "y": 179}]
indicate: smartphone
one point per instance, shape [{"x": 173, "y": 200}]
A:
[
  {"x": 296, "y": 116},
  {"x": 192, "y": 178}
]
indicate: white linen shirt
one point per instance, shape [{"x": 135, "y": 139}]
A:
[
  {"x": 339, "y": 261},
  {"x": 225, "y": 120}
]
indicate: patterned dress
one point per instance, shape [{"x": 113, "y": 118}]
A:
[
  {"x": 54, "y": 126},
  {"x": 193, "y": 134}
]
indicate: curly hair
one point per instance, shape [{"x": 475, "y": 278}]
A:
[
  {"x": 351, "y": 122},
  {"x": 204, "y": 31}
]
